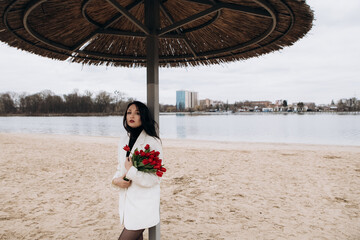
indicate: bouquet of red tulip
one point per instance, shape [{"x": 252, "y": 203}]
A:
[{"x": 147, "y": 161}]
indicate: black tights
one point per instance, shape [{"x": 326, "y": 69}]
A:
[{"x": 131, "y": 234}]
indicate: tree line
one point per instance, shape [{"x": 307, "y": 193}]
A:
[
  {"x": 105, "y": 103},
  {"x": 46, "y": 102}
]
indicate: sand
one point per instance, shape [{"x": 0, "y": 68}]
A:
[{"x": 58, "y": 187}]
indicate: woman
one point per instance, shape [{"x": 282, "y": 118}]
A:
[{"x": 139, "y": 197}]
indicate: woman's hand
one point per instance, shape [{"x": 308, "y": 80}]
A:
[
  {"x": 128, "y": 163},
  {"x": 120, "y": 182}
]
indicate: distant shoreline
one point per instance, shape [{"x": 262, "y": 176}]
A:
[
  {"x": 258, "y": 113},
  {"x": 173, "y": 113}
]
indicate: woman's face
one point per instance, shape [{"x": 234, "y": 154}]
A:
[{"x": 133, "y": 116}]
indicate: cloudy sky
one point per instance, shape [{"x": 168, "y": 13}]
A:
[{"x": 320, "y": 67}]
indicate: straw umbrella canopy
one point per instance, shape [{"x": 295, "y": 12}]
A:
[
  {"x": 153, "y": 33},
  {"x": 189, "y": 32}
]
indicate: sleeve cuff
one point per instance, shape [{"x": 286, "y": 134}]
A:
[{"x": 131, "y": 173}]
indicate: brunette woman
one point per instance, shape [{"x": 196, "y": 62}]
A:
[{"x": 139, "y": 192}]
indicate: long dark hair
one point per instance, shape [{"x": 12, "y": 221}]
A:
[{"x": 147, "y": 121}]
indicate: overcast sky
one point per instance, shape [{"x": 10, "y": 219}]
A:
[{"x": 322, "y": 66}]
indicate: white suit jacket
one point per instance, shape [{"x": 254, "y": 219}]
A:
[{"x": 139, "y": 204}]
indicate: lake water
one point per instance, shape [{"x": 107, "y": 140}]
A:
[{"x": 338, "y": 129}]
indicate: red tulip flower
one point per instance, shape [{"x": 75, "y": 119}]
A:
[{"x": 127, "y": 148}]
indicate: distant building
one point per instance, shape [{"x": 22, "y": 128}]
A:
[
  {"x": 186, "y": 99},
  {"x": 279, "y": 102},
  {"x": 324, "y": 107},
  {"x": 279, "y": 106},
  {"x": 206, "y": 102},
  {"x": 267, "y": 109},
  {"x": 261, "y": 103},
  {"x": 257, "y": 104},
  {"x": 193, "y": 99},
  {"x": 333, "y": 107},
  {"x": 180, "y": 100},
  {"x": 220, "y": 103},
  {"x": 309, "y": 106}
]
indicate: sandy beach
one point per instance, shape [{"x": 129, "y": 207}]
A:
[{"x": 58, "y": 187}]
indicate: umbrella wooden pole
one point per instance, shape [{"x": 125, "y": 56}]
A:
[
  {"x": 153, "y": 79},
  {"x": 152, "y": 21},
  {"x": 152, "y": 75}
]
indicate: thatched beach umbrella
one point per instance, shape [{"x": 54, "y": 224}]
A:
[{"x": 153, "y": 33}]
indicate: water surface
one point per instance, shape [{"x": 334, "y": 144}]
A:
[{"x": 276, "y": 128}]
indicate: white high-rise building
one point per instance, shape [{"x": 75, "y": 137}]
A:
[
  {"x": 186, "y": 99},
  {"x": 194, "y": 99}
]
